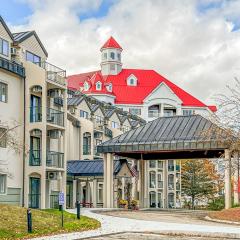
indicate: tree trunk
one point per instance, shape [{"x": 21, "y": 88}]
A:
[{"x": 193, "y": 202}]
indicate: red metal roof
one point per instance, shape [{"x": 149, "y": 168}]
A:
[
  {"x": 147, "y": 81},
  {"x": 111, "y": 43}
]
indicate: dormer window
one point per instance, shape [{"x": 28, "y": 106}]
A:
[
  {"x": 109, "y": 87},
  {"x": 112, "y": 55},
  {"x": 132, "y": 80},
  {"x": 119, "y": 56},
  {"x": 98, "y": 86},
  {"x": 86, "y": 86}
]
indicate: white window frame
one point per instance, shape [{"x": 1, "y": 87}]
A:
[
  {"x": 98, "y": 86},
  {"x": 132, "y": 80},
  {"x": 135, "y": 111},
  {"x": 83, "y": 114},
  {"x": 5, "y": 183},
  {"x": 114, "y": 124},
  {"x": 100, "y": 188},
  {"x": 86, "y": 86},
  {"x": 109, "y": 87}
]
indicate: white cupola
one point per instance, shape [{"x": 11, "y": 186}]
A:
[{"x": 111, "y": 58}]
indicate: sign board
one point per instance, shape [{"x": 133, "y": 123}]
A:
[{"x": 61, "y": 198}]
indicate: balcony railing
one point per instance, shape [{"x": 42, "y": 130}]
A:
[
  {"x": 55, "y": 159},
  {"x": 54, "y": 73},
  {"x": 34, "y": 200},
  {"x": 35, "y": 158},
  {"x": 108, "y": 132},
  {"x": 12, "y": 67},
  {"x": 36, "y": 114},
  {"x": 58, "y": 101},
  {"x": 55, "y": 117},
  {"x": 153, "y": 113}
]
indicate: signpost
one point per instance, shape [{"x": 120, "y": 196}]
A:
[{"x": 61, "y": 203}]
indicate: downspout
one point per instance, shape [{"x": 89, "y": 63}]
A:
[{"x": 24, "y": 137}]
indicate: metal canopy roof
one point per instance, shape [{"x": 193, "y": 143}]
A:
[
  {"x": 89, "y": 168},
  {"x": 177, "y": 137}
]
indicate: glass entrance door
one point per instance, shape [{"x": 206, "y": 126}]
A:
[{"x": 34, "y": 192}]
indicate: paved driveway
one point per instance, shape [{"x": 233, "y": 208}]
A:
[{"x": 150, "y": 223}]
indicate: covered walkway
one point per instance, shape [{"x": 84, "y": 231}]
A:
[{"x": 177, "y": 137}]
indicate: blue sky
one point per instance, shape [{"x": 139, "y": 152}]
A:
[{"x": 16, "y": 11}]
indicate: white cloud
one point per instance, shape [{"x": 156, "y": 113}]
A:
[{"x": 195, "y": 50}]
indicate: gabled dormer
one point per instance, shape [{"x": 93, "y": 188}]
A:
[{"x": 132, "y": 80}]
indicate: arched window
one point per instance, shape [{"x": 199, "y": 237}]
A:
[
  {"x": 86, "y": 143},
  {"x": 119, "y": 56},
  {"x": 99, "y": 86},
  {"x": 112, "y": 55},
  {"x": 152, "y": 179}
]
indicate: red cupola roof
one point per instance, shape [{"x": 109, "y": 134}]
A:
[{"x": 111, "y": 43}]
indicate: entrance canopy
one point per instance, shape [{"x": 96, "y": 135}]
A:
[{"x": 177, "y": 137}]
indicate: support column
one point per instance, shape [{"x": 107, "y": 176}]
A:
[
  {"x": 161, "y": 109},
  {"x": 74, "y": 198},
  {"x": 236, "y": 178},
  {"x": 228, "y": 192},
  {"x": 108, "y": 180},
  {"x": 142, "y": 184},
  {"x": 123, "y": 188},
  {"x": 94, "y": 193}
]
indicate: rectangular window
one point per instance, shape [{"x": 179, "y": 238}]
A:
[
  {"x": 4, "y": 47},
  {"x": 188, "y": 112},
  {"x": 115, "y": 124},
  {"x": 3, "y": 138},
  {"x": 3, "y": 92},
  {"x": 33, "y": 58},
  {"x": 100, "y": 193},
  {"x": 99, "y": 119},
  {"x": 83, "y": 114},
  {"x": 135, "y": 111},
  {"x": 3, "y": 183}
]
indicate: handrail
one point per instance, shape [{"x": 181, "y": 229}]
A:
[{"x": 12, "y": 67}]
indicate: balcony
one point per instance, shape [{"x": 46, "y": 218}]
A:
[
  {"x": 35, "y": 158},
  {"x": 35, "y": 114},
  {"x": 54, "y": 73},
  {"x": 58, "y": 101},
  {"x": 55, "y": 117},
  {"x": 12, "y": 67},
  {"x": 108, "y": 132},
  {"x": 153, "y": 113},
  {"x": 55, "y": 159}
]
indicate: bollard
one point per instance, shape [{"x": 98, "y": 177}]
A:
[
  {"x": 29, "y": 220},
  {"x": 78, "y": 210}
]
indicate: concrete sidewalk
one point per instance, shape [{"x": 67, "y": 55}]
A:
[{"x": 111, "y": 224}]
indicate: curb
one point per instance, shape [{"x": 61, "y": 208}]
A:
[
  {"x": 206, "y": 235},
  {"x": 220, "y": 221}
]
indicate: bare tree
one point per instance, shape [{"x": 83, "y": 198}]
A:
[{"x": 10, "y": 140}]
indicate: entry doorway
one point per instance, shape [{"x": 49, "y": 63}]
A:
[{"x": 34, "y": 192}]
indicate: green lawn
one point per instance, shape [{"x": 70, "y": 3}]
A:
[{"x": 13, "y": 222}]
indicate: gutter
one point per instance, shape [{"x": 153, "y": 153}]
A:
[{"x": 24, "y": 137}]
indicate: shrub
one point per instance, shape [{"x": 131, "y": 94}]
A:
[{"x": 216, "y": 204}]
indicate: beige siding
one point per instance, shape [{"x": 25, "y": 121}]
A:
[
  {"x": 98, "y": 112},
  {"x": 31, "y": 44},
  {"x": 4, "y": 33}
]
